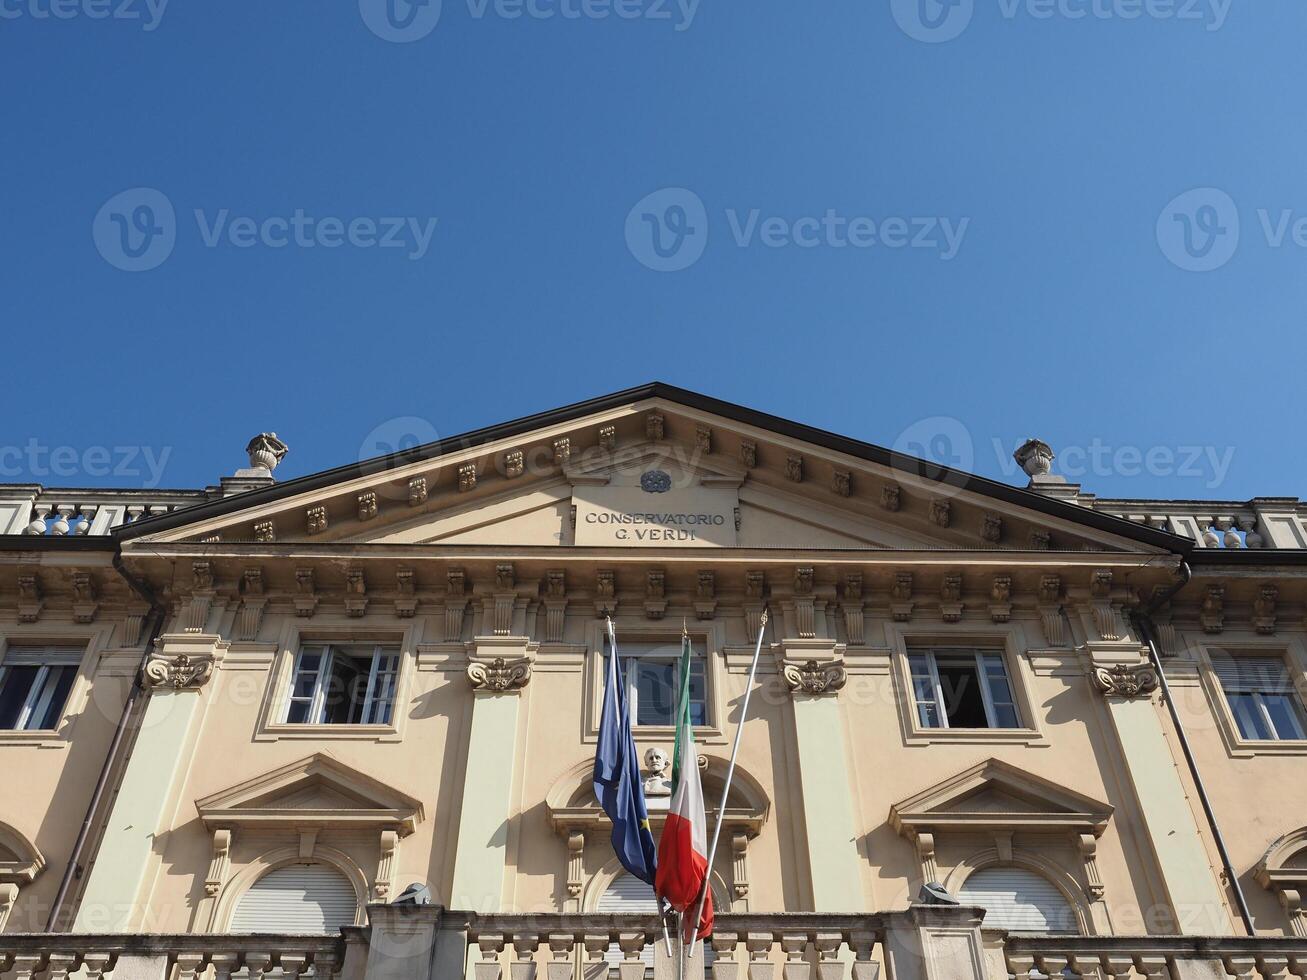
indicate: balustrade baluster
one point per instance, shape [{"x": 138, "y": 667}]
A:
[
  {"x": 595, "y": 967},
  {"x": 795, "y": 944},
  {"x": 561, "y": 965},
  {"x": 632, "y": 945},
  {"x": 1298, "y": 966},
  {"x": 492, "y": 944},
  {"x": 1084, "y": 967},
  {"x": 1273, "y": 967},
  {"x": 324, "y": 965},
  {"x": 257, "y": 964},
  {"x": 1052, "y": 965},
  {"x": 26, "y": 965},
  {"x": 1153, "y": 967},
  {"x": 759, "y": 945},
  {"x": 1118, "y": 967},
  {"x": 59, "y": 965},
  {"x": 725, "y": 965},
  {"x": 863, "y": 942},
  {"x": 1020, "y": 965},
  {"x": 827, "y": 945},
  {"x": 292, "y": 965},
  {"x": 1242, "y": 967},
  {"x": 523, "y": 966},
  {"x": 188, "y": 965}
]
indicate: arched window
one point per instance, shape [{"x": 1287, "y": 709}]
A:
[
  {"x": 297, "y": 898},
  {"x": 1019, "y": 900}
]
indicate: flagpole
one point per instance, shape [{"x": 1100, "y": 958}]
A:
[
  {"x": 726, "y": 787},
  {"x": 612, "y": 646}
]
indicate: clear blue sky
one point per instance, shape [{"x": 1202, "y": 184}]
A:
[{"x": 1055, "y": 144}]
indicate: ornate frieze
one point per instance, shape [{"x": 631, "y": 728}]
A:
[
  {"x": 655, "y": 593},
  {"x": 842, "y": 483},
  {"x": 500, "y": 674},
  {"x": 179, "y": 672},
  {"x": 30, "y": 597},
  {"x": 85, "y": 597},
  {"x": 703, "y": 439},
  {"x": 654, "y": 428},
  {"x": 891, "y": 496},
  {"x": 1126, "y": 680},
  {"x": 941, "y": 512},
  {"x": 950, "y": 597},
  {"x": 562, "y": 451},
  {"x": 900, "y": 594},
  {"x": 1212, "y": 613},
  {"x": 705, "y": 594},
  {"x": 406, "y": 600},
  {"x": 794, "y": 468},
  {"x": 417, "y": 491},
  {"x": 265, "y": 532},
  {"x": 306, "y": 593},
  {"x": 467, "y": 477},
  {"x": 992, "y": 528},
  {"x": 315, "y": 519},
  {"x": 814, "y": 676},
  {"x": 367, "y": 506},
  {"x": 1000, "y": 599},
  {"x": 608, "y": 438},
  {"x": 1264, "y": 609},
  {"x": 748, "y": 453},
  {"x": 356, "y": 593}
]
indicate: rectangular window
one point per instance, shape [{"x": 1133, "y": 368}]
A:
[
  {"x": 1261, "y": 697},
  {"x": 343, "y": 684},
  {"x": 652, "y": 673},
  {"x": 34, "y": 686},
  {"x": 962, "y": 689}
]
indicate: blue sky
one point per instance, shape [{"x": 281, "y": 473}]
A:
[{"x": 867, "y": 222}]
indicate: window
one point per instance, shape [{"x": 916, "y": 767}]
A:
[
  {"x": 652, "y": 673},
  {"x": 1261, "y": 697},
  {"x": 962, "y": 689},
  {"x": 297, "y": 898},
  {"x": 34, "y": 686},
  {"x": 1018, "y": 900},
  {"x": 629, "y": 894},
  {"x": 343, "y": 684}
]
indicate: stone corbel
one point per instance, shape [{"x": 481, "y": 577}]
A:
[
  {"x": 499, "y": 675},
  {"x": 851, "y": 604},
  {"x": 1050, "y": 610},
  {"x": 180, "y": 672},
  {"x": 575, "y": 866},
  {"x": 195, "y": 615},
  {"x": 555, "y": 605},
  {"x": 802, "y": 606},
  {"x": 1003, "y": 845},
  {"x": 605, "y": 593},
  {"x": 950, "y": 598},
  {"x": 306, "y": 593},
  {"x": 356, "y": 593},
  {"x": 814, "y": 677},
  {"x": 134, "y": 623},
  {"x": 502, "y": 604},
  {"x": 655, "y": 593},
  {"x": 218, "y": 863},
  {"x": 85, "y": 597},
  {"x": 926, "y": 855},
  {"x": 1000, "y": 599},
  {"x": 1290, "y": 898},
  {"x": 1101, "y": 605},
  {"x": 455, "y": 604},
  {"x": 755, "y": 591},
  {"x": 253, "y": 604},
  {"x": 705, "y": 595},
  {"x": 406, "y": 601},
  {"x": 1089, "y": 854},
  {"x": 900, "y": 595},
  {"x": 740, "y": 866},
  {"x": 1212, "y": 613},
  {"x": 308, "y": 842},
  {"x": 389, "y": 845}
]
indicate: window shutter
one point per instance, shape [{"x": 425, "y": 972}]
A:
[
  {"x": 297, "y": 898},
  {"x": 629, "y": 894},
  {"x": 1019, "y": 900},
  {"x": 1265, "y": 674}
]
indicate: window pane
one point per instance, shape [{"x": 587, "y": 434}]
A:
[
  {"x": 923, "y": 691},
  {"x": 960, "y": 687},
  {"x": 14, "y": 689},
  {"x": 1284, "y": 715},
  {"x": 698, "y": 692},
  {"x": 1246, "y": 715},
  {"x": 1000, "y": 691},
  {"x": 657, "y": 692},
  {"x": 928, "y": 714},
  {"x": 346, "y": 687},
  {"x": 58, "y": 683},
  {"x": 298, "y": 713}
]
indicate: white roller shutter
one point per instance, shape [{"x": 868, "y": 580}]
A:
[
  {"x": 1265, "y": 674},
  {"x": 297, "y": 898},
  {"x": 629, "y": 894},
  {"x": 1019, "y": 900}
]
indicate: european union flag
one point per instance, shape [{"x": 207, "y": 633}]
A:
[{"x": 617, "y": 783}]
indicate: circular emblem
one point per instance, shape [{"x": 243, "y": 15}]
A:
[{"x": 655, "y": 481}]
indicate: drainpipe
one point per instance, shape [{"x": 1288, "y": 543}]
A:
[
  {"x": 117, "y": 744},
  {"x": 1143, "y": 622}
]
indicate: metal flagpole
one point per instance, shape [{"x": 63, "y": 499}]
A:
[
  {"x": 726, "y": 787},
  {"x": 617, "y": 674}
]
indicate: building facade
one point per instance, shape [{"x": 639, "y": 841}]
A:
[{"x": 272, "y": 707}]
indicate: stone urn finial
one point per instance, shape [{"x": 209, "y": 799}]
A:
[
  {"x": 265, "y": 451},
  {"x": 1035, "y": 457}
]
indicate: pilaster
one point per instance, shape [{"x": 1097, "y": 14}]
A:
[
  {"x": 178, "y": 669},
  {"x": 813, "y": 670},
  {"x": 498, "y": 671}
]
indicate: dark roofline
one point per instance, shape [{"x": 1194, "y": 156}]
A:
[
  {"x": 49, "y": 542},
  {"x": 690, "y": 399}
]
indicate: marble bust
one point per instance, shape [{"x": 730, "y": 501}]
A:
[{"x": 658, "y": 782}]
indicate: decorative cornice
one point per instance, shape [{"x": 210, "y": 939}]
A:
[
  {"x": 500, "y": 674},
  {"x": 1126, "y": 680},
  {"x": 179, "y": 672},
  {"x": 814, "y": 676}
]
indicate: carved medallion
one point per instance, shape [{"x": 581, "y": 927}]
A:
[
  {"x": 179, "y": 672},
  {"x": 499, "y": 674},
  {"x": 1126, "y": 680},
  {"x": 655, "y": 481},
  {"x": 815, "y": 677}
]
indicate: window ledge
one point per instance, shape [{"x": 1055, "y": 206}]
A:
[
  {"x": 977, "y": 736},
  {"x": 338, "y": 733},
  {"x": 45, "y": 738},
  {"x": 1248, "y": 747}
]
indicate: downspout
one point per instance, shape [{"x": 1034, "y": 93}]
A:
[
  {"x": 1143, "y": 622},
  {"x": 157, "y": 614}
]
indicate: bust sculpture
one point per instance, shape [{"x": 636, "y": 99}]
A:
[{"x": 658, "y": 762}]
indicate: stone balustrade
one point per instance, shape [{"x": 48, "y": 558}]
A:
[
  {"x": 1154, "y": 957},
  {"x": 33, "y": 510},
  {"x": 59, "y": 956}
]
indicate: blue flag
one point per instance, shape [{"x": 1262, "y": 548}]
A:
[{"x": 617, "y": 783}]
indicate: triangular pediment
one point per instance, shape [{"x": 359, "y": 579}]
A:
[
  {"x": 997, "y": 795},
  {"x": 314, "y": 791},
  {"x": 725, "y": 476}
]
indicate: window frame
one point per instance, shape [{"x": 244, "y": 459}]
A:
[
  {"x": 979, "y": 657},
  {"x": 317, "y": 700},
  {"x": 1236, "y": 643},
  {"x": 631, "y": 678},
  {"x": 1015, "y": 642},
  {"x": 82, "y": 652}
]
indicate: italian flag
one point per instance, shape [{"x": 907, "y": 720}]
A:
[{"x": 683, "y": 849}]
